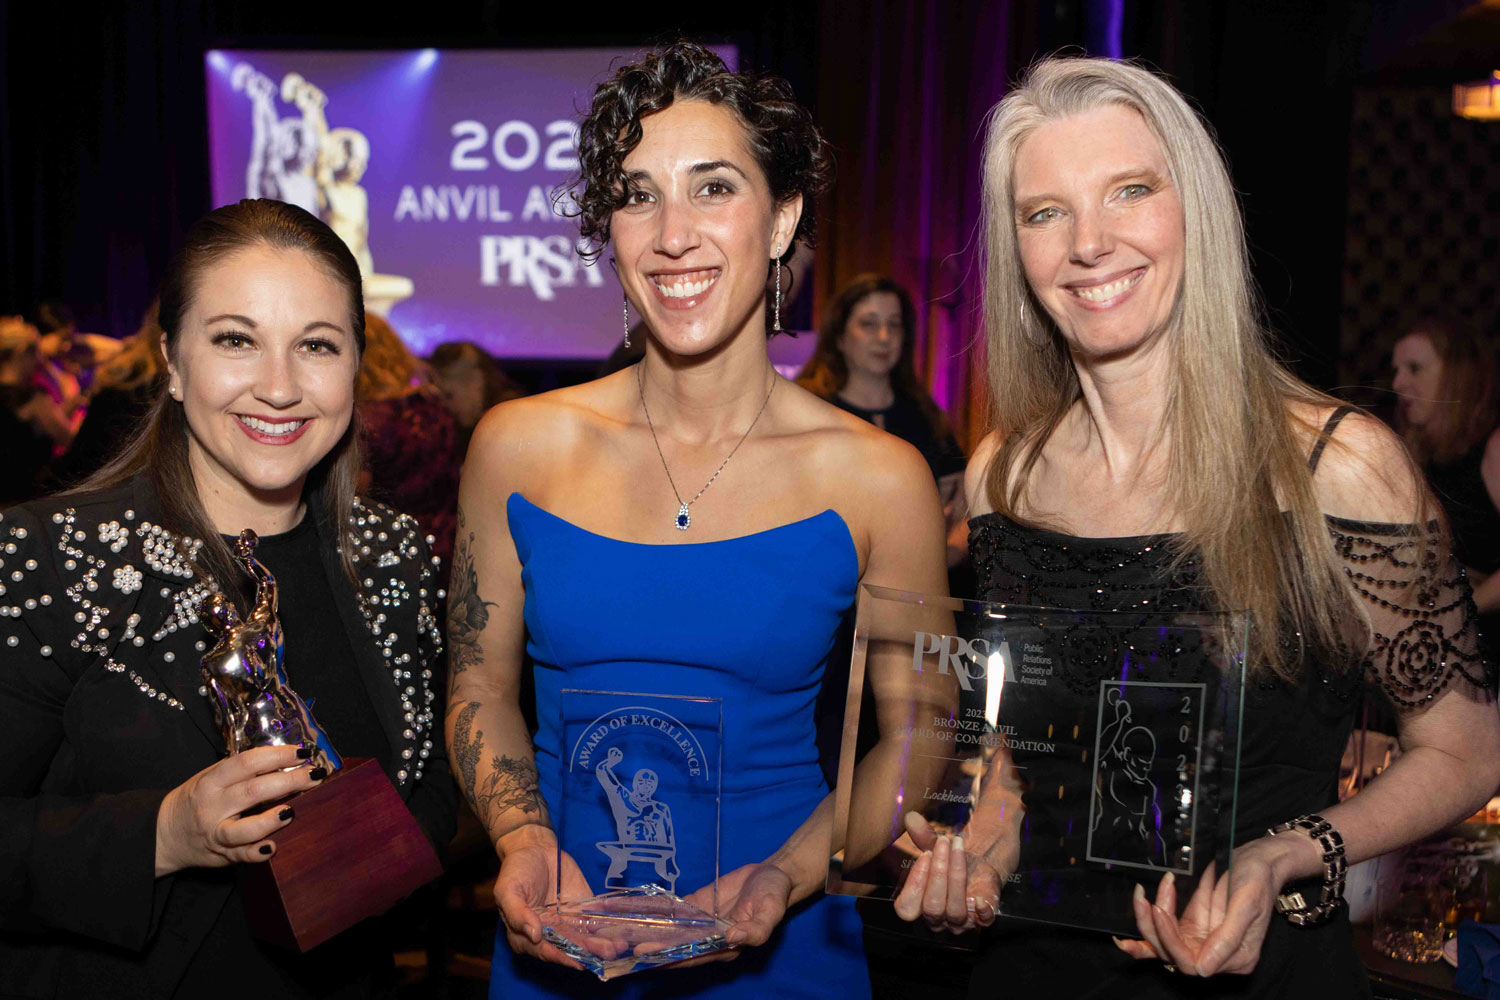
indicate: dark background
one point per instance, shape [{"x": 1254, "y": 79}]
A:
[{"x": 103, "y": 129}]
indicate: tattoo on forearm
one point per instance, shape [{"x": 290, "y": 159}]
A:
[
  {"x": 468, "y": 612},
  {"x": 509, "y": 784},
  {"x": 466, "y": 748},
  {"x": 512, "y": 784}
]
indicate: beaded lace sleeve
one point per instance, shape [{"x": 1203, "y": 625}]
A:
[{"x": 1424, "y": 626}]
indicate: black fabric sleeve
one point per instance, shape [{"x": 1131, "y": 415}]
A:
[
  {"x": 434, "y": 801},
  {"x": 84, "y": 864},
  {"x": 1424, "y": 626}
]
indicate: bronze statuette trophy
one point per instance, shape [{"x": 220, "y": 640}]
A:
[{"x": 353, "y": 849}]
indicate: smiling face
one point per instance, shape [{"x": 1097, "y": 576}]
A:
[
  {"x": 1100, "y": 229},
  {"x": 264, "y": 366},
  {"x": 871, "y": 341},
  {"x": 1418, "y": 378},
  {"x": 694, "y": 241}
]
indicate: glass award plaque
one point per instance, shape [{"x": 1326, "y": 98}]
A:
[
  {"x": 1076, "y": 752},
  {"x": 639, "y": 814}
]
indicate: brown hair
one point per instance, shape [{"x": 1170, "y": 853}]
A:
[
  {"x": 159, "y": 449},
  {"x": 16, "y": 338},
  {"x": 139, "y": 362},
  {"x": 826, "y": 371},
  {"x": 1468, "y": 399},
  {"x": 498, "y": 386},
  {"x": 387, "y": 370}
]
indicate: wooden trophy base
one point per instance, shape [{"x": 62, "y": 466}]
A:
[{"x": 351, "y": 852}]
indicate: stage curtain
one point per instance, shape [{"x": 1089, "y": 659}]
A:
[
  {"x": 902, "y": 94},
  {"x": 102, "y": 146}
]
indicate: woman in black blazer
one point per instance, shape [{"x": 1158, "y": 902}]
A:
[{"x": 121, "y": 820}]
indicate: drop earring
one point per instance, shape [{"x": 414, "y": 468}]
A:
[
  {"x": 776, "y": 315},
  {"x": 1031, "y": 338},
  {"x": 625, "y": 318}
]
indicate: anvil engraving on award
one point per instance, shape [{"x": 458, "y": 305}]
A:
[
  {"x": 1076, "y": 752},
  {"x": 644, "y": 770}
]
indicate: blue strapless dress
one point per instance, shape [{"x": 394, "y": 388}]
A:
[{"x": 750, "y": 620}]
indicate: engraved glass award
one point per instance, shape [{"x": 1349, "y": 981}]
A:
[
  {"x": 1076, "y": 752},
  {"x": 639, "y": 782}
]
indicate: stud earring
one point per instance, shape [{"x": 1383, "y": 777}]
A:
[
  {"x": 776, "y": 315},
  {"x": 625, "y": 318}
]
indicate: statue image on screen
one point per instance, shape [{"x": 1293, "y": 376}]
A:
[
  {"x": 643, "y": 827},
  {"x": 301, "y": 161},
  {"x": 283, "y": 151},
  {"x": 346, "y": 154}
]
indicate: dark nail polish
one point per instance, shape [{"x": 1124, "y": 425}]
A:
[
  {"x": 265, "y": 848},
  {"x": 318, "y": 773},
  {"x": 285, "y": 814},
  {"x": 304, "y": 752}
]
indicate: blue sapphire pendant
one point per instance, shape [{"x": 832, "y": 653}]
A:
[{"x": 683, "y": 518}]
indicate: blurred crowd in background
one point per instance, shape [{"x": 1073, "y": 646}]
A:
[{"x": 70, "y": 399}]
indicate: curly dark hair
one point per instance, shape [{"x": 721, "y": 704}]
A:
[{"x": 788, "y": 147}]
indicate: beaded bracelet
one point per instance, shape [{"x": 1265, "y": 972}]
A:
[{"x": 1293, "y": 905}]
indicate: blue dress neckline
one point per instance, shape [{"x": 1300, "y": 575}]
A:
[
  {"x": 749, "y": 621},
  {"x": 517, "y": 495}
]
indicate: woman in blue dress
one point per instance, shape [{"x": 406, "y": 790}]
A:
[{"x": 691, "y": 525}]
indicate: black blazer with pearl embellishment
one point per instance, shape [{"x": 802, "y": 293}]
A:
[{"x": 101, "y": 714}]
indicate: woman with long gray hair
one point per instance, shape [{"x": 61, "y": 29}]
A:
[{"x": 1146, "y": 451}]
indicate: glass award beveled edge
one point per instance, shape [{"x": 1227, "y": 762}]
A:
[
  {"x": 714, "y": 939},
  {"x": 848, "y": 743},
  {"x": 562, "y": 763},
  {"x": 1235, "y": 626}
]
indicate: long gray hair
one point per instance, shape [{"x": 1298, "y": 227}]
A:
[{"x": 1237, "y": 482}]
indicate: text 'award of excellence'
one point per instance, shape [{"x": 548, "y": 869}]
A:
[
  {"x": 639, "y": 801},
  {"x": 1077, "y": 753},
  {"x": 353, "y": 849}
]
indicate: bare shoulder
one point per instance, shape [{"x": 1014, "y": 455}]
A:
[
  {"x": 1364, "y": 472},
  {"x": 881, "y": 486},
  {"x": 521, "y": 438},
  {"x": 977, "y": 474},
  {"x": 858, "y": 453}
]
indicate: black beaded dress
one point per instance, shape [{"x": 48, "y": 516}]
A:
[
  {"x": 1293, "y": 736},
  {"x": 1459, "y": 486}
]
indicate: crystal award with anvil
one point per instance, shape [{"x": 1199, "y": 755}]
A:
[
  {"x": 638, "y": 811},
  {"x": 1076, "y": 752}
]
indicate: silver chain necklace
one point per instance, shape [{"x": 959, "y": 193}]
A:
[{"x": 684, "y": 518}]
